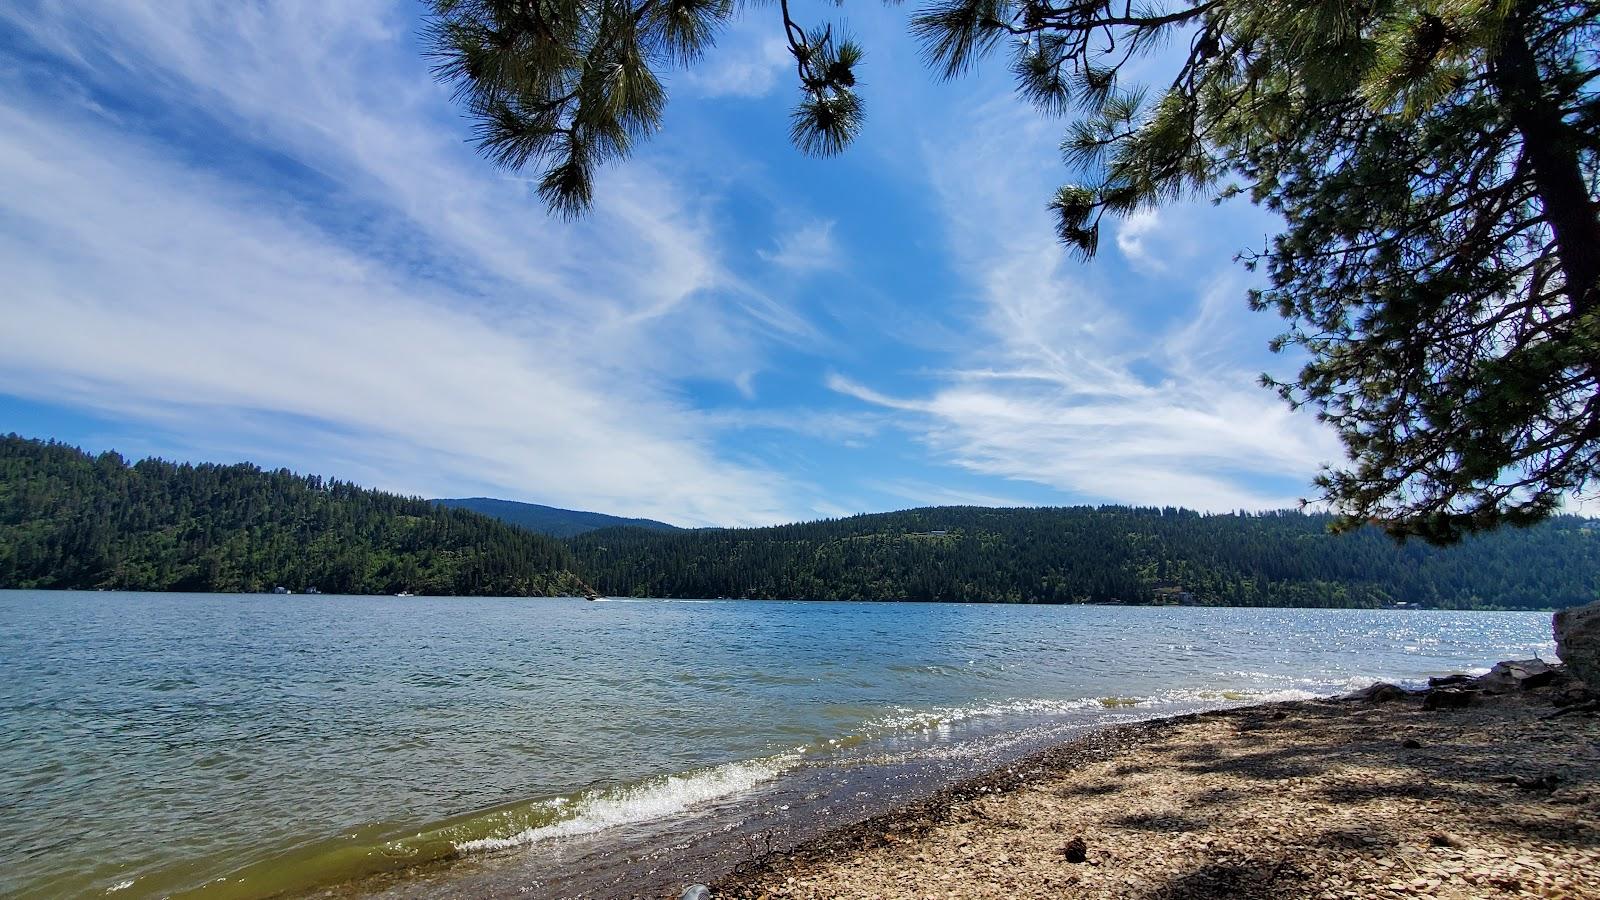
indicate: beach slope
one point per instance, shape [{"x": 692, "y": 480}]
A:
[{"x": 1330, "y": 798}]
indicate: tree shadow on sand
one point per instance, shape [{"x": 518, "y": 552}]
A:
[{"x": 1530, "y": 781}]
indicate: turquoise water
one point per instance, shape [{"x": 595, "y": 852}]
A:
[{"x": 153, "y": 744}]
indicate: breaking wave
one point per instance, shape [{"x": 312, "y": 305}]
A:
[{"x": 595, "y": 811}]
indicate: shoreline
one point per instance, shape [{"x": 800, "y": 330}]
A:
[
  {"x": 1151, "y": 800},
  {"x": 658, "y": 856},
  {"x": 625, "y": 598},
  {"x": 975, "y": 835},
  {"x": 1335, "y": 798}
]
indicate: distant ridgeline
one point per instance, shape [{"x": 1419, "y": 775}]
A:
[
  {"x": 549, "y": 519},
  {"x": 69, "y": 519},
  {"x": 1105, "y": 554}
]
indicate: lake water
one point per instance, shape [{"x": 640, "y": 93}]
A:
[{"x": 238, "y": 746}]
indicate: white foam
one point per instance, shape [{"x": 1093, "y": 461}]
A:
[
  {"x": 908, "y": 719},
  {"x": 1284, "y": 695},
  {"x": 120, "y": 886},
  {"x": 656, "y": 799}
]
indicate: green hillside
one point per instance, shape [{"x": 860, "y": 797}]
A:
[
  {"x": 549, "y": 520},
  {"x": 1104, "y": 554},
  {"x": 69, "y": 519}
]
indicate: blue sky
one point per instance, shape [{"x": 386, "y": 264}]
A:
[{"x": 256, "y": 231}]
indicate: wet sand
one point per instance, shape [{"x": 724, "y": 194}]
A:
[{"x": 1321, "y": 798}]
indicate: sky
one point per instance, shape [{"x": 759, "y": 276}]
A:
[{"x": 258, "y": 231}]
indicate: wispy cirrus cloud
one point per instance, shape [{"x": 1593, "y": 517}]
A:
[
  {"x": 808, "y": 247},
  {"x": 1064, "y": 385}
]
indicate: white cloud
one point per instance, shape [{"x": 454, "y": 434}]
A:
[
  {"x": 443, "y": 332},
  {"x": 1587, "y": 504},
  {"x": 809, "y": 247},
  {"x": 747, "y": 63},
  {"x": 1063, "y": 387},
  {"x": 1133, "y": 233},
  {"x": 1175, "y": 238}
]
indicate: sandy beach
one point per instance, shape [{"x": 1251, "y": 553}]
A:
[{"x": 1322, "y": 798}]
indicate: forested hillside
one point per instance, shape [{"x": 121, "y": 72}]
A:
[
  {"x": 72, "y": 520},
  {"x": 1105, "y": 554},
  {"x": 69, "y": 519},
  {"x": 550, "y": 520}
]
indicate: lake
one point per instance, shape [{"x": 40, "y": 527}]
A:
[{"x": 242, "y": 745}]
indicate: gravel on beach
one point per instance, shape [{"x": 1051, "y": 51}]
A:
[{"x": 1398, "y": 797}]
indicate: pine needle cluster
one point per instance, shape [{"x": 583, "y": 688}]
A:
[{"x": 569, "y": 85}]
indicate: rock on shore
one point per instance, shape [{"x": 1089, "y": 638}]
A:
[{"x": 1578, "y": 642}]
